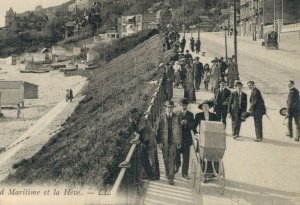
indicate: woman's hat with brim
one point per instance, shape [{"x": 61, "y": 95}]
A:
[
  {"x": 208, "y": 102},
  {"x": 169, "y": 103},
  {"x": 283, "y": 111}
]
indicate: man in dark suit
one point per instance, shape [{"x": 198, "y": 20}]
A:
[
  {"x": 187, "y": 125},
  {"x": 221, "y": 100},
  {"x": 236, "y": 106},
  {"x": 198, "y": 72},
  {"x": 257, "y": 110},
  {"x": 169, "y": 138},
  {"x": 293, "y": 110}
]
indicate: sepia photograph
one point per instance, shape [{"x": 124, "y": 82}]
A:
[{"x": 149, "y": 102}]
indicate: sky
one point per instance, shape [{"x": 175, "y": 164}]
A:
[{"x": 20, "y": 6}]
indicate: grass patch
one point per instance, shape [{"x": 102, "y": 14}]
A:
[{"x": 96, "y": 136}]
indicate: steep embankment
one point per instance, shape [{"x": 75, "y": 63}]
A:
[{"x": 96, "y": 137}]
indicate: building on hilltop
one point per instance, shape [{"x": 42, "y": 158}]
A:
[
  {"x": 88, "y": 4},
  {"x": 26, "y": 20},
  {"x": 128, "y": 25}
]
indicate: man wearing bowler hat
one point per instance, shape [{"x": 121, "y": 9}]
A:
[
  {"x": 257, "y": 110},
  {"x": 169, "y": 137},
  {"x": 236, "y": 106},
  {"x": 221, "y": 100},
  {"x": 187, "y": 125}
]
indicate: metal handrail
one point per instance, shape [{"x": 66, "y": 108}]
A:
[{"x": 151, "y": 114}]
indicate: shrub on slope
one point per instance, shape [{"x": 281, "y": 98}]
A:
[{"x": 96, "y": 137}]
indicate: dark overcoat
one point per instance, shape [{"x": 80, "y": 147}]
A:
[
  {"x": 162, "y": 133},
  {"x": 187, "y": 139},
  {"x": 221, "y": 99},
  {"x": 293, "y": 102},
  {"x": 257, "y": 104},
  {"x": 233, "y": 105}
]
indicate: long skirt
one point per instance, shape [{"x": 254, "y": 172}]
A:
[
  {"x": 177, "y": 78},
  {"x": 190, "y": 92}
]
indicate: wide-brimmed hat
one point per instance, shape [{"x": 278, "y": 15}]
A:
[
  {"x": 283, "y": 111},
  {"x": 210, "y": 104},
  {"x": 169, "y": 103},
  {"x": 238, "y": 83},
  {"x": 184, "y": 101}
]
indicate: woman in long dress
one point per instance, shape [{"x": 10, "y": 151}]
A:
[
  {"x": 215, "y": 75},
  {"x": 190, "y": 92},
  {"x": 177, "y": 75}
]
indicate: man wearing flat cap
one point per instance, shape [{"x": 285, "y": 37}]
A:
[
  {"x": 221, "y": 99},
  {"x": 236, "y": 106},
  {"x": 187, "y": 125},
  {"x": 169, "y": 137},
  {"x": 142, "y": 126}
]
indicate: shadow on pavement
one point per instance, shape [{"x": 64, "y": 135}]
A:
[
  {"x": 256, "y": 195},
  {"x": 269, "y": 141}
]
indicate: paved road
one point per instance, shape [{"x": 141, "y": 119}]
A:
[{"x": 258, "y": 173}]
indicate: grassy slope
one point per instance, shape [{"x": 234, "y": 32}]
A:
[{"x": 96, "y": 138}]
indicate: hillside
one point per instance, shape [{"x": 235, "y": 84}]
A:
[{"x": 96, "y": 137}]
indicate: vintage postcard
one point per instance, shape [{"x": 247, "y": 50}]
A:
[{"x": 149, "y": 102}]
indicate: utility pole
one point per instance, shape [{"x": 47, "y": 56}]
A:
[
  {"x": 198, "y": 13},
  {"x": 282, "y": 11},
  {"x": 183, "y": 19},
  {"x": 226, "y": 54},
  {"x": 234, "y": 32}
]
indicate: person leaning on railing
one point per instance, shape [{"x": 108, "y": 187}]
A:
[{"x": 142, "y": 126}]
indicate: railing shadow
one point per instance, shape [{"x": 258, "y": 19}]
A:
[{"x": 253, "y": 194}]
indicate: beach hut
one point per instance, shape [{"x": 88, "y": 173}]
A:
[
  {"x": 12, "y": 92},
  {"x": 91, "y": 56},
  {"x": 30, "y": 90}
]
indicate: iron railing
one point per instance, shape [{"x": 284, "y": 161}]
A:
[{"x": 128, "y": 185}]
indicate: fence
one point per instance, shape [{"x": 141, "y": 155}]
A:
[
  {"x": 290, "y": 28},
  {"x": 129, "y": 181}
]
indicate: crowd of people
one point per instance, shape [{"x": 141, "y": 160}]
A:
[{"x": 174, "y": 133}]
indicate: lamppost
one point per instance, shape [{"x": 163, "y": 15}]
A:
[
  {"x": 234, "y": 32},
  {"x": 225, "y": 35}
]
